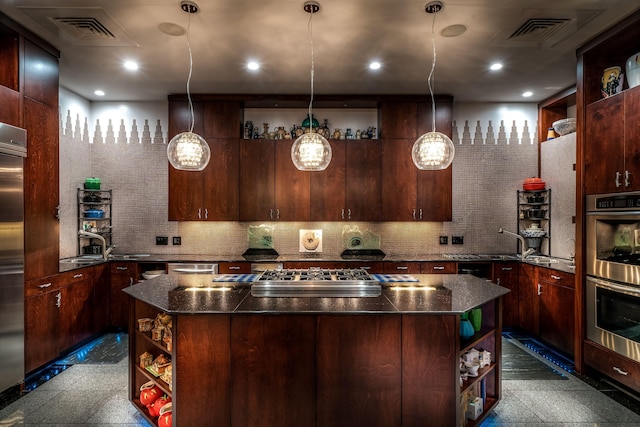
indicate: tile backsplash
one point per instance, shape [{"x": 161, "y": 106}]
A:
[{"x": 131, "y": 160}]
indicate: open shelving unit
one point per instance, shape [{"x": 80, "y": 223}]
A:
[{"x": 94, "y": 200}]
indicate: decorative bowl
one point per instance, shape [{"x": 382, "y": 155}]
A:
[
  {"x": 147, "y": 275},
  {"x": 564, "y": 126},
  {"x": 633, "y": 70},
  {"x": 531, "y": 232}
]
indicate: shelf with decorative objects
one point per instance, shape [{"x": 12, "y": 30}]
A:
[
  {"x": 95, "y": 216},
  {"x": 534, "y": 219}
]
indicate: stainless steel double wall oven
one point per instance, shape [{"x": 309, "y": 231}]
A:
[{"x": 613, "y": 272}]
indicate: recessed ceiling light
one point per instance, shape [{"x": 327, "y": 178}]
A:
[
  {"x": 253, "y": 65},
  {"x": 453, "y": 30},
  {"x": 131, "y": 65},
  {"x": 99, "y": 92},
  {"x": 496, "y": 66},
  {"x": 375, "y": 65},
  {"x": 527, "y": 94}
]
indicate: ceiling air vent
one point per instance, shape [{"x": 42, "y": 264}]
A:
[
  {"x": 540, "y": 28},
  {"x": 83, "y": 28}
]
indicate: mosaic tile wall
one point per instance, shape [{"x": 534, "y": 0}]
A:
[{"x": 493, "y": 156}]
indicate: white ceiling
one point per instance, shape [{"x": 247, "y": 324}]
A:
[{"x": 347, "y": 34}]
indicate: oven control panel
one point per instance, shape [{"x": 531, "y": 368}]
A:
[{"x": 613, "y": 202}]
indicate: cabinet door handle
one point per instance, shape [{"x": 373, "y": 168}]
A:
[
  {"x": 349, "y": 213},
  {"x": 130, "y": 281},
  {"x": 270, "y": 213},
  {"x": 507, "y": 268},
  {"x": 199, "y": 213},
  {"x": 234, "y": 267},
  {"x": 498, "y": 281},
  {"x": 620, "y": 371},
  {"x": 277, "y": 213},
  {"x": 414, "y": 214},
  {"x": 342, "y": 214},
  {"x": 366, "y": 268},
  {"x": 122, "y": 268},
  {"x": 77, "y": 276},
  {"x": 617, "y": 179},
  {"x": 420, "y": 213},
  {"x": 44, "y": 285},
  {"x": 206, "y": 213},
  {"x": 438, "y": 267},
  {"x": 554, "y": 277},
  {"x": 59, "y": 299},
  {"x": 539, "y": 289},
  {"x": 402, "y": 267},
  {"x": 627, "y": 178}
]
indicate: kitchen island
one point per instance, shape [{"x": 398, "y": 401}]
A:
[{"x": 387, "y": 360}]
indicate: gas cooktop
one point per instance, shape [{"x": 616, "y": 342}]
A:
[{"x": 316, "y": 282}]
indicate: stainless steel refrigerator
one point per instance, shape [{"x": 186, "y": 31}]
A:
[{"x": 13, "y": 150}]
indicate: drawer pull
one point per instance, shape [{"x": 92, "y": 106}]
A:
[
  {"x": 122, "y": 268},
  {"x": 366, "y": 268},
  {"x": 77, "y": 276},
  {"x": 507, "y": 268},
  {"x": 438, "y": 267},
  {"x": 620, "y": 371},
  {"x": 234, "y": 267},
  {"x": 44, "y": 285},
  {"x": 404, "y": 267},
  {"x": 553, "y": 276}
]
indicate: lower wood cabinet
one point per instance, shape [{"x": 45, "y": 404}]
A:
[
  {"x": 506, "y": 274},
  {"x": 59, "y": 314},
  {"x": 547, "y": 305},
  {"x": 123, "y": 274},
  {"x": 613, "y": 365}
]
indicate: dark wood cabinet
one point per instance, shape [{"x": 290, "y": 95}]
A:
[
  {"x": 42, "y": 313},
  {"x": 213, "y": 193},
  {"x": 123, "y": 274},
  {"x": 528, "y": 298},
  {"x": 506, "y": 274},
  {"x": 556, "y": 309},
  {"x": 622, "y": 369},
  {"x": 101, "y": 297},
  {"x": 59, "y": 314},
  {"x": 439, "y": 267},
  {"x": 359, "y": 182},
  {"x": 393, "y": 267},
  {"x": 239, "y": 267}
]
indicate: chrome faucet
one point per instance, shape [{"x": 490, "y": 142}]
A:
[
  {"x": 105, "y": 251},
  {"x": 525, "y": 253}
]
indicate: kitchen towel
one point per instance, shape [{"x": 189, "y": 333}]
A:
[
  {"x": 386, "y": 278},
  {"x": 237, "y": 278}
]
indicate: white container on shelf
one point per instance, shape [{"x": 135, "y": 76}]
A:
[{"x": 633, "y": 70}]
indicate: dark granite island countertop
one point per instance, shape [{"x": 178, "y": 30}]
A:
[{"x": 434, "y": 293}]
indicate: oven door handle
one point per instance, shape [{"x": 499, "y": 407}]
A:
[{"x": 629, "y": 290}]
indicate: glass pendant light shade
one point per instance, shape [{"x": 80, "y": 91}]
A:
[
  {"x": 433, "y": 151},
  {"x": 311, "y": 152},
  {"x": 188, "y": 151}
]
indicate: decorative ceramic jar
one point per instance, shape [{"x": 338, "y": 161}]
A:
[
  {"x": 611, "y": 82},
  {"x": 633, "y": 70}
]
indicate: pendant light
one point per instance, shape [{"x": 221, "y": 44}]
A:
[
  {"x": 187, "y": 150},
  {"x": 311, "y": 151},
  {"x": 433, "y": 150}
]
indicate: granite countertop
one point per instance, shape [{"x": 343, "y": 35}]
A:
[
  {"x": 434, "y": 294},
  {"x": 555, "y": 263}
]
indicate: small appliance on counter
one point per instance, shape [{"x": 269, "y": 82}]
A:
[
  {"x": 360, "y": 244},
  {"x": 260, "y": 243}
]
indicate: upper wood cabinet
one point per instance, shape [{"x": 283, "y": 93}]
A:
[
  {"x": 367, "y": 180},
  {"x": 608, "y": 129},
  {"x": 213, "y": 193}
]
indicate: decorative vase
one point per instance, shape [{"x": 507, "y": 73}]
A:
[
  {"x": 475, "y": 317},
  {"x": 466, "y": 328},
  {"x": 633, "y": 70},
  {"x": 611, "y": 82}
]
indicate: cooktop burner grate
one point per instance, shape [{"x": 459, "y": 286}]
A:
[{"x": 316, "y": 282}]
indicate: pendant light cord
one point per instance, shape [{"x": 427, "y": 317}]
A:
[
  {"x": 433, "y": 67},
  {"x": 190, "y": 72},
  {"x": 310, "y": 29}
]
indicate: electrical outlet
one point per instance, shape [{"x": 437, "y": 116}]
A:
[
  {"x": 162, "y": 240},
  {"x": 457, "y": 240},
  {"x": 177, "y": 240},
  {"x": 444, "y": 240}
]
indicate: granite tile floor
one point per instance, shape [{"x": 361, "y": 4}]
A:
[{"x": 89, "y": 389}]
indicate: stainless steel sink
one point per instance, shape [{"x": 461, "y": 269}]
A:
[
  {"x": 85, "y": 259},
  {"x": 128, "y": 256}
]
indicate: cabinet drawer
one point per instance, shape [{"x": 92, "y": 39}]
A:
[
  {"x": 234, "y": 267},
  {"x": 401, "y": 267},
  {"x": 124, "y": 268},
  {"x": 436, "y": 267},
  {"x": 556, "y": 277},
  {"x": 44, "y": 284},
  {"x": 619, "y": 368},
  {"x": 75, "y": 276}
]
